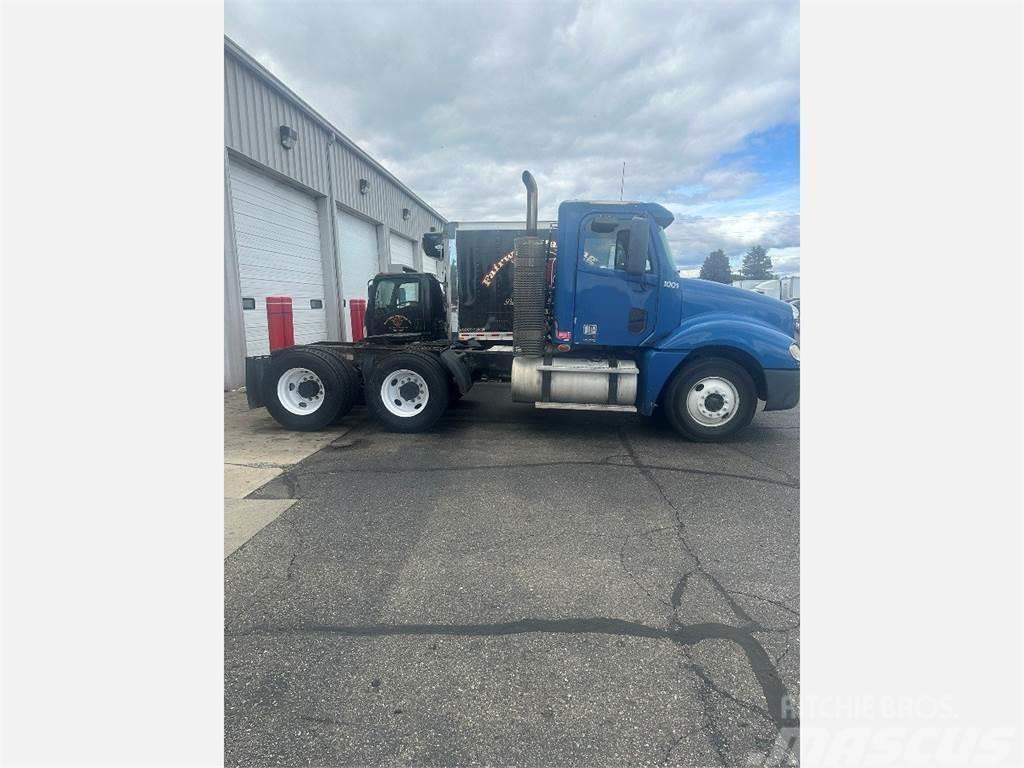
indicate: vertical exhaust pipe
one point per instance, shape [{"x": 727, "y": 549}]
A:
[
  {"x": 529, "y": 326},
  {"x": 531, "y": 202}
]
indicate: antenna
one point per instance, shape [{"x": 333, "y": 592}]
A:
[{"x": 623, "y": 184}]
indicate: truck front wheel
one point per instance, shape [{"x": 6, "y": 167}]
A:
[
  {"x": 408, "y": 391},
  {"x": 710, "y": 399}
]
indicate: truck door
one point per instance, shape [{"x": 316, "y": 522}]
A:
[
  {"x": 612, "y": 309},
  {"x": 397, "y": 306}
]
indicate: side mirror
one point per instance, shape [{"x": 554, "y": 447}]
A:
[
  {"x": 433, "y": 244},
  {"x": 636, "y": 256}
]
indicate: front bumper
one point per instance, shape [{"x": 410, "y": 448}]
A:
[{"x": 782, "y": 388}]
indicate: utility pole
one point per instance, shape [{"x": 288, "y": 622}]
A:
[{"x": 623, "y": 184}]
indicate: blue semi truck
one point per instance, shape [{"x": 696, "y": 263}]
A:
[{"x": 601, "y": 321}]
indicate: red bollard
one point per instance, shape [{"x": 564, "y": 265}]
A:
[
  {"x": 279, "y": 322},
  {"x": 357, "y": 311}
]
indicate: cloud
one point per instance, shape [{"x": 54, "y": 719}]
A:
[
  {"x": 694, "y": 237},
  {"x": 457, "y": 98},
  {"x": 726, "y": 183},
  {"x": 785, "y": 261}
]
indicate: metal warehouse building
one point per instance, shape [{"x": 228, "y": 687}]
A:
[{"x": 308, "y": 217}]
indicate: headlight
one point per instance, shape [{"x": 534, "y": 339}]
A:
[
  {"x": 796, "y": 312},
  {"x": 794, "y": 350}
]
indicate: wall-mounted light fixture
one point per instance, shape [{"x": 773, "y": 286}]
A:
[
  {"x": 364, "y": 186},
  {"x": 288, "y": 137},
  {"x": 406, "y": 213}
]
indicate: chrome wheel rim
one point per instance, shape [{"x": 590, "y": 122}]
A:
[
  {"x": 300, "y": 391},
  {"x": 712, "y": 401},
  {"x": 404, "y": 393}
]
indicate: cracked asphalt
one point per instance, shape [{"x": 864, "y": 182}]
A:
[{"x": 521, "y": 587}]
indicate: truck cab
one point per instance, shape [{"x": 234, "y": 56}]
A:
[
  {"x": 634, "y": 335},
  {"x": 407, "y": 304},
  {"x": 598, "y": 301}
]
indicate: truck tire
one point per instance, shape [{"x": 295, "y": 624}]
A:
[
  {"x": 408, "y": 391},
  {"x": 710, "y": 399},
  {"x": 357, "y": 390},
  {"x": 306, "y": 389},
  {"x": 353, "y": 381}
]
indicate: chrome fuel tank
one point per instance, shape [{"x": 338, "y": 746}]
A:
[{"x": 574, "y": 380}]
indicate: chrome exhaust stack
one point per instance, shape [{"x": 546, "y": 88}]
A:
[
  {"x": 531, "y": 202},
  {"x": 529, "y": 325}
]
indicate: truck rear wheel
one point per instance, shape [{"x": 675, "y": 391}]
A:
[
  {"x": 352, "y": 378},
  {"x": 408, "y": 391},
  {"x": 306, "y": 389},
  {"x": 710, "y": 399}
]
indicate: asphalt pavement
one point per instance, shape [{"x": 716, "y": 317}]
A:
[{"x": 520, "y": 587}]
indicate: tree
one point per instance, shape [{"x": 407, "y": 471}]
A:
[
  {"x": 716, "y": 267},
  {"x": 757, "y": 264}
]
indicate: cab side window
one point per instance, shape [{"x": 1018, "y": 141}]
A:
[
  {"x": 385, "y": 292},
  {"x": 397, "y": 294},
  {"x": 599, "y": 250},
  {"x": 605, "y": 244},
  {"x": 408, "y": 293}
]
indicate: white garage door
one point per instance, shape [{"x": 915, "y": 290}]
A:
[
  {"x": 277, "y": 233},
  {"x": 402, "y": 251},
  {"x": 357, "y": 241},
  {"x": 430, "y": 266}
]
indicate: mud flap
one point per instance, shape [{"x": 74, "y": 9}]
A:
[
  {"x": 459, "y": 370},
  {"x": 782, "y": 389},
  {"x": 255, "y": 368}
]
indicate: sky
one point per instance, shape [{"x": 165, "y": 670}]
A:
[{"x": 700, "y": 100}]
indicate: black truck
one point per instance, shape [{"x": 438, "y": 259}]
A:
[{"x": 407, "y": 312}]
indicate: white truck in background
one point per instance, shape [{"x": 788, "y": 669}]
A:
[
  {"x": 747, "y": 285},
  {"x": 782, "y": 288}
]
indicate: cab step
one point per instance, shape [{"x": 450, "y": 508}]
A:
[{"x": 587, "y": 407}]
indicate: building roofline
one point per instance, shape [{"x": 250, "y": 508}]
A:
[{"x": 265, "y": 74}]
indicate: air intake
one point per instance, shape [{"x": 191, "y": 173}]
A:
[{"x": 528, "y": 323}]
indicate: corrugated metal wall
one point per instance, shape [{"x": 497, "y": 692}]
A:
[
  {"x": 383, "y": 201},
  {"x": 256, "y": 105},
  {"x": 253, "y": 115},
  {"x": 254, "y": 110}
]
